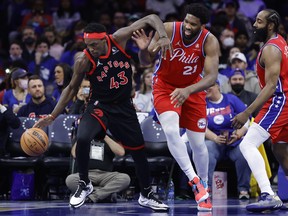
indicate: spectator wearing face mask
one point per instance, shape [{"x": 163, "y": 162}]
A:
[
  {"x": 29, "y": 38},
  {"x": 18, "y": 95},
  {"x": 227, "y": 41},
  {"x": 82, "y": 97},
  {"x": 237, "y": 82},
  {"x": 238, "y": 60}
]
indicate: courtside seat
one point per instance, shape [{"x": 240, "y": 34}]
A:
[
  {"x": 159, "y": 158},
  {"x": 14, "y": 158},
  {"x": 56, "y": 160}
]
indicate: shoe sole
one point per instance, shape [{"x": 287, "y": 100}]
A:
[
  {"x": 80, "y": 204},
  {"x": 155, "y": 209},
  {"x": 261, "y": 209},
  {"x": 204, "y": 209}
]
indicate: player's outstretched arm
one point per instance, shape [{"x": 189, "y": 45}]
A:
[
  {"x": 68, "y": 93},
  {"x": 153, "y": 21}
]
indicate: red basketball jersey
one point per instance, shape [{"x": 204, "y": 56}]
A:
[
  {"x": 185, "y": 66},
  {"x": 282, "y": 84}
]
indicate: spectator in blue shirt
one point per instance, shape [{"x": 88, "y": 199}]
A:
[{"x": 222, "y": 140}]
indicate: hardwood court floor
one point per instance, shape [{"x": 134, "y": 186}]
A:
[{"x": 61, "y": 208}]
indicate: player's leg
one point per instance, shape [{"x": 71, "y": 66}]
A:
[
  {"x": 243, "y": 171},
  {"x": 255, "y": 136},
  {"x": 193, "y": 118},
  {"x": 125, "y": 128},
  {"x": 88, "y": 129}
]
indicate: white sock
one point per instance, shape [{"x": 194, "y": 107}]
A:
[
  {"x": 170, "y": 123},
  {"x": 255, "y": 136},
  {"x": 200, "y": 153}
]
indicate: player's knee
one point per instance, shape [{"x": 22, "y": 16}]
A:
[
  {"x": 243, "y": 146},
  {"x": 170, "y": 131}
]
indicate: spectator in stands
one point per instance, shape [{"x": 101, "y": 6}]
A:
[
  {"x": 237, "y": 82},
  {"x": 119, "y": 21},
  {"x": 227, "y": 41},
  {"x": 241, "y": 41},
  {"x": 81, "y": 99},
  {"x": 143, "y": 97},
  {"x": 29, "y": 38},
  {"x": 15, "y": 56},
  {"x": 222, "y": 140},
  {"x": 7, "y": 119},
  {"x": 44, "y": 64},
  {"x": 39, "y": 105},
  {"x": 234, "y": 23},
  {"x": 106, "y": 183},
  {"x": 65, "y": 16},
  {"x": 56, "y": 48},
  {"x": 106, "y": 20},
  {"x": 17, "y": 96},
  {"x": 63, "y": 74},
  {"x": 162, "y": 8},
  {"x": 38, "y": 18},
  {"x": 251, "y": 8},
  {"x": 238, "y": 60}
]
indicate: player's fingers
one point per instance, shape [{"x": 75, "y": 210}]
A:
[{"x": 171, "y": 50}]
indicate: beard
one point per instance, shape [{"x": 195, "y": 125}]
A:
[{"x": 260, "y": 34}]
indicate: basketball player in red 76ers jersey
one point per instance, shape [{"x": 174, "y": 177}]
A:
[
  {"x": 108, "y": 68},
  {"x": 272, "y": 120},
  {"x": 178, "y": 90}
]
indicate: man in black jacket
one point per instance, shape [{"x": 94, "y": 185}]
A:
[
  {"x": 7, "y": 119},
  {"x": 39, "y": 105}
]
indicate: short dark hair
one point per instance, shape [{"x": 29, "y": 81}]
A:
[
  {"x": 95, "y": 28},
  {"x": 198, "y": 10},
  {"x": 43, "y": 39},
  {"x": 34, "y": 77},
  {"x": 273, "y": 17}
]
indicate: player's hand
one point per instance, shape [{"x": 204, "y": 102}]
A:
[
  {"x": 179, "y": 96},
  {"x": 43, "y": 122},
  {"x": 239, "y": 120},
  {"x": 164, "y": 45},
  {"x": 141, "y": 39}
]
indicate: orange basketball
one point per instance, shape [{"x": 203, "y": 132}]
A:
[{"x": 34, "y": 141}]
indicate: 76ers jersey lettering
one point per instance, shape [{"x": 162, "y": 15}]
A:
[
  {"x": 110, "y": 75},
  {"x": 185, "y": 66}
]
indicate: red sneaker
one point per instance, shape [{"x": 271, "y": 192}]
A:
[
  {"x": 199, "y": 190},
  {"x": 206, "y": 205}
]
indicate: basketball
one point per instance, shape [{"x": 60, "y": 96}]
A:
[{"x": 34, "y": 141}]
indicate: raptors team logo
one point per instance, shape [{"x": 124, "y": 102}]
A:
[
  {"x": 98, "y": 112},
  {"x": 201, "y": 123}
]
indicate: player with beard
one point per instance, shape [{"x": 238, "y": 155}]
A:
[
  {"x": 271, "y": 122},
  {"x": 178, "y": 90}
]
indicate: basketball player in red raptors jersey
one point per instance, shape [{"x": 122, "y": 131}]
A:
[
  {"x": 272, "y": 120},
  {"x": 108, "y": 68},
  {"x": 178, "y": 91}
]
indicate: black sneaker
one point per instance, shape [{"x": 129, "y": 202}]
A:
[
  {"x": 152, "y": 202},
  {"x": 81, "y": 193}
]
